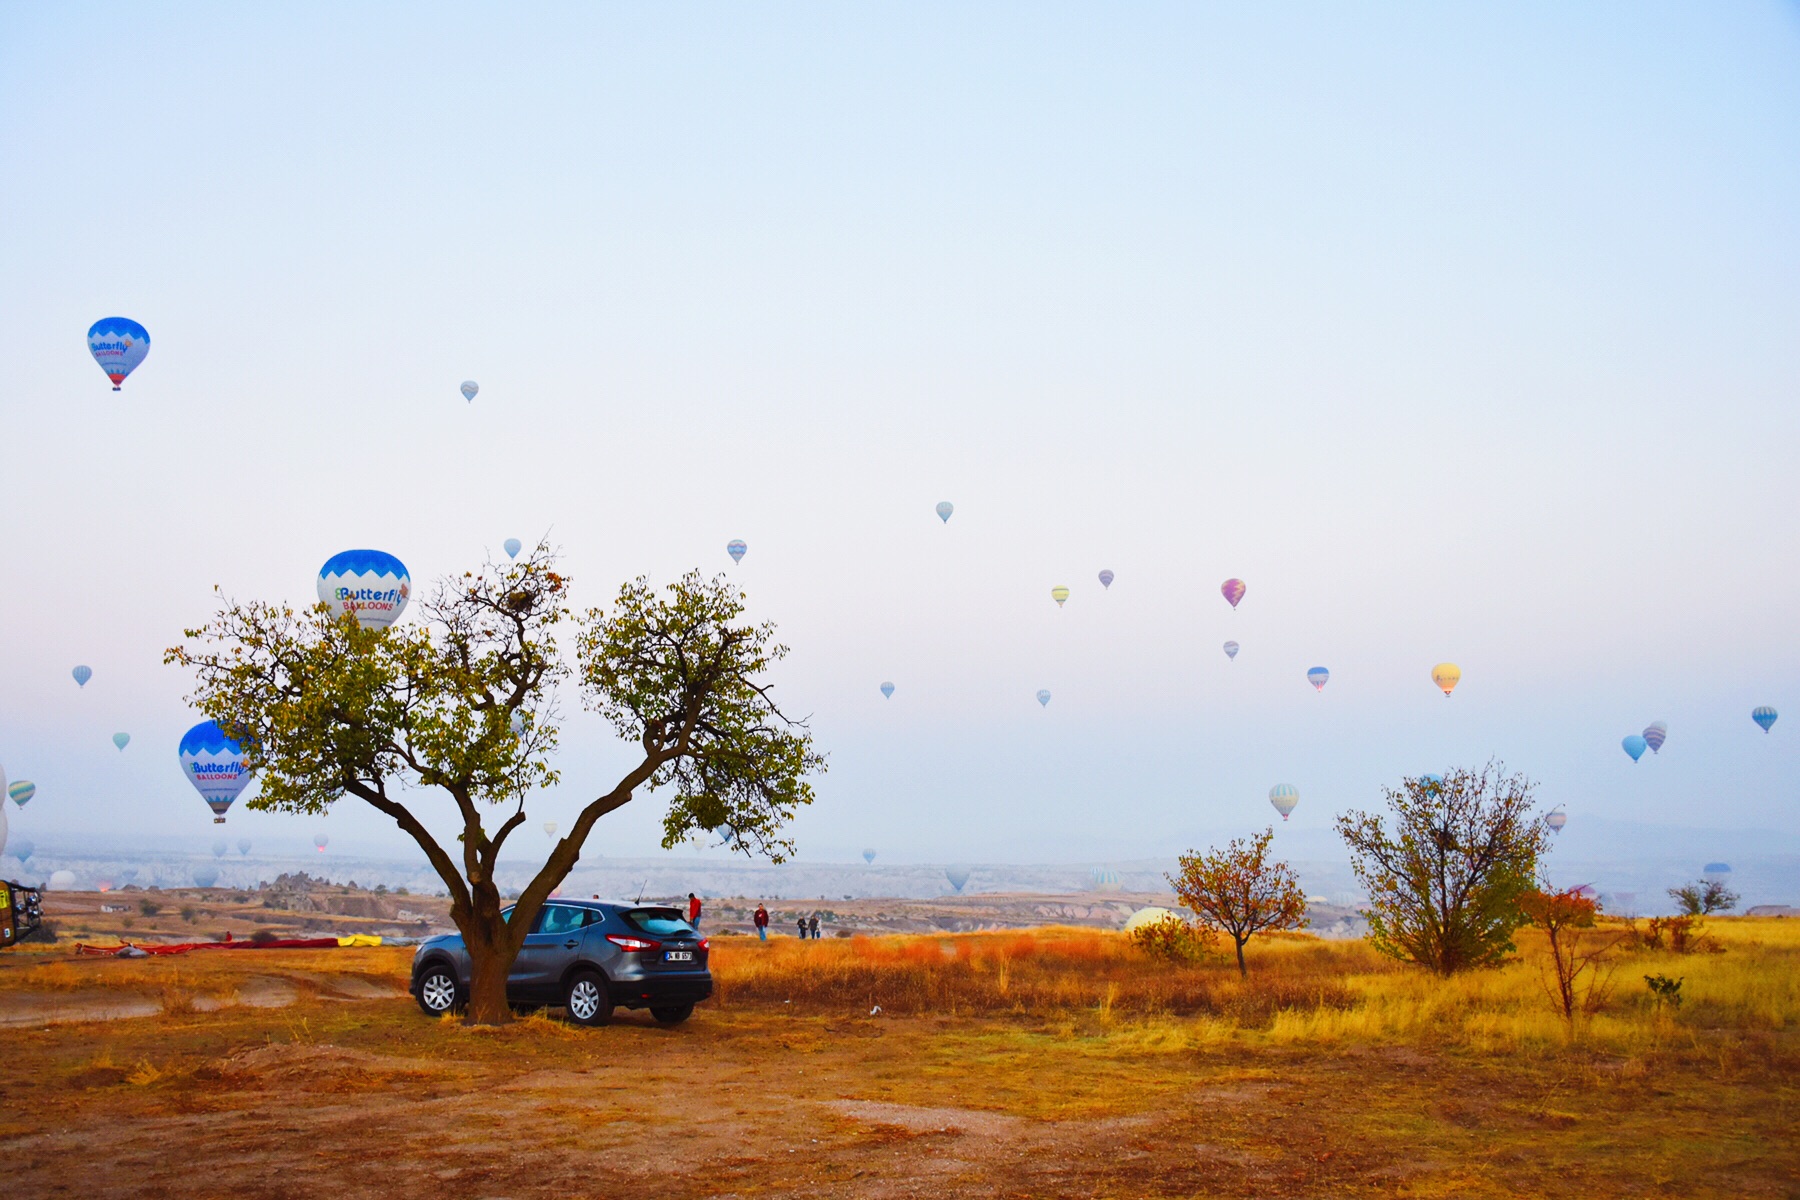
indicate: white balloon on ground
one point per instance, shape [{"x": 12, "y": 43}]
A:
[
  {"x": 1149, "y": 916},
  {"x": 62, "y": 881}
]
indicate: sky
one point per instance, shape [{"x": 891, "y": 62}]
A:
[{"x": 1457, "y": 332}]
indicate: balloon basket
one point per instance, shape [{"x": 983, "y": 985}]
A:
[{"x": 218, "y": 820}]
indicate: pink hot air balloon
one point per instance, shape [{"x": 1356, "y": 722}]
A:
[{"x": 1232, "y": 590}]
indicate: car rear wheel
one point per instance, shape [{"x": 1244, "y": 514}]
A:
[
  {"x": 672, "y": 1014},
  {"x": 437, "y": 991},
  {"x": 587, "y": 999}
]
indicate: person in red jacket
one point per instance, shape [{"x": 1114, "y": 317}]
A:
[
  {"x": 693, "y": 910},
  {"x": 762, "y": 922}
]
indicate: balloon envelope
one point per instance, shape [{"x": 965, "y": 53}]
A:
[
  {"x": 321, "y": 842},
  {"x": 944, "y": 509},
  {"x": 512, "y": 546},
  {"x": 1556, "y": 820},
  {"x": 1655, "y": 734},
  {"x": 206, "y": 876},
  {"x": 887, "y": 689},
  {"x": 1446, "y": 676},
  {"x": 469, "y": 388},
  {"x": 1635, "y": 746},
  {"x": 82, "y": 675},
  {"x": 1231, "y": 649},
  {"x": 1432, "y": 781},
  {"x": 868, "y": 856},
  {"x": 1285, "y": 797},
  {"x": 219, "y": 848},
  {"x": 121, "y": 740},
  {"x": 214, "y": 764},
  {"x": 1106, "y": 578},
  {"x": 1233, "y": 591},
  {"x": 1059, "y": 594},
  {"x": 1716, "y": 868},
  {"x": 20, "y": 850},
  {"x": 371, "y": 585},
  {"x": 1317, "y": 677},
  {"x": 62, "y": 881},
  {"x": 956, "y": 876},
  {"x": 1149, "y": 916},
  {"x": 118, "y": 344},
  {"x": 1044, "y": 696},
  {"x": 550, "y": 828},
  {"x": 1764, "y": 716},
  {"x": 22, "y": 792},
  {"x": 243, "y": 845},
  {"x": 736, "y": 548}
]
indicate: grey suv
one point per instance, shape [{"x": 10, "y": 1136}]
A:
[{"x": 586, "y": 955}]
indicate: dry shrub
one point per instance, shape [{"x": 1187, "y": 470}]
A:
[
  {"x": 1034, "y": 972},
  {"x": 1175, "y": 940}
]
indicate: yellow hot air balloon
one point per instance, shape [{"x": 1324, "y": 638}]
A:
[
  {"x": 1445, "y": 676},
  {"x": 1059, "y": 594}
]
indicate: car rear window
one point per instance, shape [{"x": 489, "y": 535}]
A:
[{"x": 658, "y": 922}]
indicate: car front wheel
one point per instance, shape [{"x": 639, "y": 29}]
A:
[
  {"x": 672, "y": 1014},
  {"x": 437, "y": 991},
  {"x": 587, "y": 1000}
]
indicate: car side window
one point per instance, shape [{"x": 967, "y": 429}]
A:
[{"x": 560, "y": 918}]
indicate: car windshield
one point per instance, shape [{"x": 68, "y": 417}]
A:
[{"x": 658, "y": 922}]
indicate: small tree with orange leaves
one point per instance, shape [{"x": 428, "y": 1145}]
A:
[
  {"x": 1578, "y": 974},
  {"x": 1238, "y": 890}
]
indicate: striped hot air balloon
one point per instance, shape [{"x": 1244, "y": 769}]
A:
[
  {"x": 1285, "y": 797},
  {"x": 1231, "y": 649},
  {"x": 1044, "y": 697},
  {"x": 887, "y": 689},
  {"x": 1655, "y": 734},
  {"x": 1059, "y": 594},
  {"x": 469, "y": 389},
  {"x": 1106, "y": 578},
  {"x": 737, "y": 549},
  {"x": 1233, "y": 591},
  {"x": 944, "y": 509},
  {"x": 1318, "y": 677},
  {"x": 21, "y": 792},
  {"x": 1764, "y": 716},
  {"x": 1556, "y": 820}
]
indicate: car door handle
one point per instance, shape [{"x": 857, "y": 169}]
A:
[{"x": 571, "y": 943}]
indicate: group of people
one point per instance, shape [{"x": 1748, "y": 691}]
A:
[{"x": 805, "y": 927}]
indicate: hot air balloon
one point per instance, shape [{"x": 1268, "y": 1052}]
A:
[
  {"x": 956, "y": 876},
  {"x": 1059, "y": 594},
  {"x": 469, "y": 388},
  {"x": 320, "y": 842},
  {"x": 1148, "y": 916},
  {"x": 1317, "y": 677},
  {"x": 22, "y": 792},
  {"x": 887, "y": 689},
  {"x": 243, "y": 845},
  {"x": 1284, "y": 796},
  {"x": 512, "y": 546},
  {"x": 1446, "y": 675},
  {"x": 20, "y": 850},
  {"x": 1764, "y": 716},
  {"x": 1635, "y": 746},
  {"x": 118, "y": 344},
  {"x": 214, "y": 764},
  {"x": 517, "y": 723},
  {"x": 1556, "y": 819},
  {"x": 868, "y": 856},
  {"x": 1432, "y": 782},
  {"x": 368, "y": 584},
  {"x": 1715, "y": 870},
  {"x": 944, "y": 509},
  {"x": 1044, "y": 696},
  {"x": 219, "y": 848},
  {"x": 1106, "y": 578},
  {"x": 82, "y": 675},
  {"x": 62, "y": 881},
  {"x": 1104, "y": 879},
  {"x": 1231, "y": 649},
  {"x": 1655, "y": 734},
  {"x": 1232, "y": 590},
  {"x": 736, "y": 548},
  {"x": 205, "y": 876},
  {"x": 550, "y": 828},
  {"x": 121, "y": 740}
]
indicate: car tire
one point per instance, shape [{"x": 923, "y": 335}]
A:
[
  {"x": 587, "y": 1000},
  {"x": 437, "y": 991},
  {"x": 671, "y": 1014}
]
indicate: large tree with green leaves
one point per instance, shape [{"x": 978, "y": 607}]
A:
[
  {"x": 1445, "y": 879},
  {"x": 461, "y": 706}
]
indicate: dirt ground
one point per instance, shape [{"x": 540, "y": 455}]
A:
[{"x": 314, "y": 1074}]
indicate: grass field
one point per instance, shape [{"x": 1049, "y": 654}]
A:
[{"x": 1051, "y": 1063}]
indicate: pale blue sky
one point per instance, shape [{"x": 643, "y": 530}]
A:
[{"x": 1458, "y": 333}]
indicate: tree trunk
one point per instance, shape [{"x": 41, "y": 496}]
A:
[
  {"x": 488, "y": 969},
  {"x": 1242, "y": 969}
]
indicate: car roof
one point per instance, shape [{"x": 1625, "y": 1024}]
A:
[{"x": 627, "y": 905}]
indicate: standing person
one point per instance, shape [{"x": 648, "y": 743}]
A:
[
  {"x": 762, "y": 922},
  {"x": 812, "y": 926},
  {"x": 694, "y": 911},
  {"x": 802, "y": 927}
]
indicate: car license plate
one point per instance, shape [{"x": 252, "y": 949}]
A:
[{"x": 678, "y": 956}]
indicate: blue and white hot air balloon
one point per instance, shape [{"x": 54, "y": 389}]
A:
[
  {"x": 1764, "y": 716},
  {"x": 887, "y": 690},
  {"x": 868, "y": 856},
  {"x": 1635, "y": 746},
  {"x": 214, "y": 764},
  {"x": 1044, "y": 697},
  {"x": 1432, "y": 783},
  {"x": 512, "y": 546},
  {"x": 956, "y": 876},
  {"x": 205, "y": 876},
  {"x": 1317, "y": 677},
  {"x": 737, "y": 549},
  {"x": 370, "y": 585},
  {"x": 20, "y": 850},
  {"x": 469, "y": 388},
  {"x": 118, "y": 344},
  {"x": 243, "y": 845},
  {"x": 944, "y": 509},
  {"x": 81, "y": 675},
  {"x": 1285, "y": 797},
  {"x": 1231, "y": 649}
]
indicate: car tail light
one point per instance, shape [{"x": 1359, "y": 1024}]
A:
[
  {"x": 635, "y": 944},
  {"x": 705, "y": 943}
]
